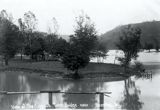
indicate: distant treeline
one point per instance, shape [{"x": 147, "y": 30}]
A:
[{"x": 150, "y": 38}]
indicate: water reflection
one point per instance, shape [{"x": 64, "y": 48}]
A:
[
  {"x": 21, "y": 82},
  {"x": 130, "y": 94},
  {"x": 131, "y": 99},
  {"x": 17, "y": 82},
  {"x": 82, "y": 100}
]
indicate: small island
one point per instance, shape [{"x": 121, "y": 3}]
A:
[{"x": 25, "y": 49}]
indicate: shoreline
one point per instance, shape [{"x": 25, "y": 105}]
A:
[{"x": 56, "y": 75}]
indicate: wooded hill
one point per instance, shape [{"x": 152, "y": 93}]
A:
[{"x": 150, "y": 34}]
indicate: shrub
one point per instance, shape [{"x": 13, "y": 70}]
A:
[{"x": 138, "y": 67}]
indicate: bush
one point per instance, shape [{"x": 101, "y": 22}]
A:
[
  {"x": 121, "y": 60},
  {"x": 138, "y": 67}
]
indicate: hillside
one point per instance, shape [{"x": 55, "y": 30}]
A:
[{"x": 150, "y": 33}]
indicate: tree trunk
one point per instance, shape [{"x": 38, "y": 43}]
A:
[
  {"x": 43, "y": 57},
  {"x": 76, "y": 75},
  {"x": 6, "y": 61},
  {"x": 126, "y": 65},
  {"x": 36, "y": 57},
  {"x": 21, "y": 54},
  {"x": 32, "y": 56}
]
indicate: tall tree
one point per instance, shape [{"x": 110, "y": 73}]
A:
[
  {"x": 8, "y": 38},
  {"x": 53, "y": 27},
  {"x": 85, "y": 33},
  {"x": 82, "y": 43},
  {"x": 30, "y": 23},
  {"x": 22, "y": 36},
  {"x": 50, "y": 43},
  {"x": 52, "y": 38},
  {"x": 129, "y": 43},
  {"x": 4, "y": 15}
]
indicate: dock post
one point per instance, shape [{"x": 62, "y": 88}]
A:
[
  {"x": 50, "y": 100},
  {"x": 101, "y": 98}
]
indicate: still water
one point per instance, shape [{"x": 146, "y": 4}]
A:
[
  {"x": 145, "y": 57},
  {"x": 129, "y": 94}
]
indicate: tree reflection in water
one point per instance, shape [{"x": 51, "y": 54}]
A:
[
  {"x": 15, "y": 82},
  {"x": 89, "y": 100},
  {"x": 19, "y": 82},
  {"x": 131, "y": 96}
]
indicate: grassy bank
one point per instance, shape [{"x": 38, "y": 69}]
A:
[{"x": 55, "y": 68}]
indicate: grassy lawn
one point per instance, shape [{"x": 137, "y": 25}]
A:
[{"x": 55, "y": 66}]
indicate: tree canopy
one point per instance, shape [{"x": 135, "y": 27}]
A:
[
  {"x": 8, "y": 38},
  {"x": 81, "y": 45},
  {"x": 129, "y": 43}
]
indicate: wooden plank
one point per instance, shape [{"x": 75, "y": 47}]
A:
[
  {"x": 3, "y": 92},
  {"x": 13, "y": 93},
  {"x": 49, "y": 91}
]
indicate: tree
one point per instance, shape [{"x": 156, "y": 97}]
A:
[
  {"x": 37, "y": 47},
  {"x": 99, "y": 51},
  {"x": 156, "y": 44},
  {"x": 85, "y": 34},
  {"x": 50, "y": 41},
  {"x": 129, "y": 43},
  {"x": 30, "y": 24},
  {"x": 60, "y": 47},
  {"x": 30, "y": 21},
  {"x": 5, "y": 15},
  {"x": 75, "y": 58},
  {"x": 81, "y": 45},
  {"x": 53, "y": 27},
  {"x": 22, "y": 35},
  {"x": 148, "y": 46},
  {"x": 53, "y": 43},
  {"x": 8, "y": 39}
]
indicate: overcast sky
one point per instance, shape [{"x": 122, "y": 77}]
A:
[{"x": 106, "y": 14}]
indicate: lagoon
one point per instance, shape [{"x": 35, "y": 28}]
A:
[{"x": 130, "y": 94}]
